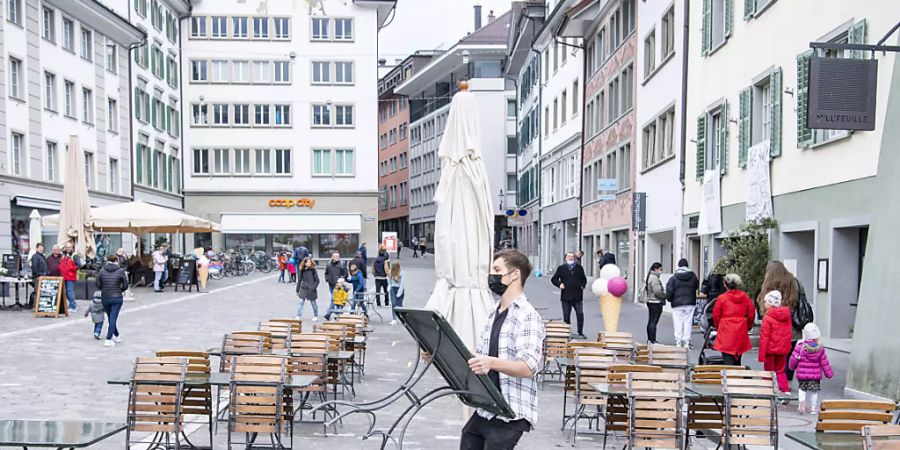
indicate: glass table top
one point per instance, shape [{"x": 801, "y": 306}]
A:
[
  {"x": 827, "y": 441},
  {"x": 55, "y": 433}
]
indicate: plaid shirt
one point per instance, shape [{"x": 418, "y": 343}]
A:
[{"x": 522, "y": 339}]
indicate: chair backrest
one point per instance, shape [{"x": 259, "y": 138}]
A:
[
  {"x": 195, "y": 400},
  {"x": 591, "y": 366},
  {"x": 256, "y": 403},
  {"x": 618, "y": 374},
  {"x": 310, "y": 357},
  {"x": 705, "y": 413},
  {"x": 556, "y": 340},
  {"x": 853, "y": 415},
  {"x": 621, "y": 342},
  {"x": 280, "y": 331},
  {"x": 751, "y": 417},
  {"x": 335, "y": 338},
  {"x": 616, "y": 411},
  {"x": 668, "y": 356},
  {"x": 267, "y": 336},
  {"x": 296, "y": 324},
  {"x": 359, "y": 319},
  {"x": 710, "y": 374},
  {"x": 234, "y": 344},
  {"x": 154, "y": 403},
  {"x": 655, "y": 401},
  {"x": 881, "y": 437}
]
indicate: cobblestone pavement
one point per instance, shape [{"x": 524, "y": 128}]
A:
[{"x": 54, "y": 369}]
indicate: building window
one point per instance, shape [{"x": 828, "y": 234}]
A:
[
  {"x": 321, "y": 162},
  {"x": 343, "y": 162},
  {"x": 282, "y": 27},
  {"x": 615, "y": 28},
  {"x": 14, "y": 7},
  {"x": 282, "y": 115},
  {"x": 111, "y": 58},
  {"x": 156, "y": 62},
  {"x": 242, "y": 161},
  {"x": 628, "y": 16},
  {"x": 48, "y": 24},
  {"x": 759, "y": 116},
  {"x": 649, "y": 54},
  {"x": 50, "y": 162},
  {"x": 263, "y": 161},
  {"x": 112, "y": 118},
  {"x": 260, "y": 28},
  {"x": 262, "y": 72},
  {"x": 219, "y": 27},
  {"x": 321, "y": 115},
  {"x": 201, "y": 161},
  {"x": 87, "y": 103},
  {"x": 68, "y": 29},
  {"x": 49, "y": 91},
  {"x": 282, "y": 161},
  {"x": 321, "y": 72},
  {"x": 198, "y": 27},
  {"x": 241, "y": 114},
  {"x": 114, "y": 175},
  {"x": 562, "y": 110},
  {"x": 17, "y": 140},
  {"x": 320, "y": 29},
  {"x": 69, "y": 98},
  {"x": 220, "y": 161},
  {"x": 15, "y": 78},
  {"x": 343, "y": 29},
  {"x": 199, "y": 71},
  {"x": 199, "y": 114},
  {"x": 89, "y": 170},
  {"x": 239, "y": 27},
  {"x": 718, "y": 20},
  {"x": 282, "y": 72},
  {"x": 240, "y": 71},
  {"x": 172, "y": 72},
  {"x": 343, "y": 115},
  {"x": 667, "y": 38},
  {"x": 220, "y": 114},
  {"x": 261, "y": 115},
  {"x": 343, "y": 73},
  {"x": 627, "y": 88},
  {"x": 87, "y": 44},
  {"x": 712, "y": 140}
]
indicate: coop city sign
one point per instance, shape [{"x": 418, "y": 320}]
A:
[{"x": 292, "y": 203}]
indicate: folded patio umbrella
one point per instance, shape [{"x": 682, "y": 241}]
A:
[{"x": 76, "y": 205}]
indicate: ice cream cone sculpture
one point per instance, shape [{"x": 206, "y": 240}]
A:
[{"x": 611, "y": 307}]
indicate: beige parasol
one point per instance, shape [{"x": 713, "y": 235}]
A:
[{"x": 76, "y": 204}]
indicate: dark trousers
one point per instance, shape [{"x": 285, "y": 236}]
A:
[
  {"x": 382, "y": 285},
  {"x": 415, "y": 249},
  {"x": 495, "y": 434},
  {"x": 112, "y": 306},
  {"x": 731, "y": 360},
  {"x": 655, "y": 311},
  {"x": 787, "y": 370},
  {"x": 579, "y": 313}
]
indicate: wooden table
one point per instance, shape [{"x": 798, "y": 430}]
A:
[
  {"x": 827, "y": 441},
  {"x": 60, "y": 434}
]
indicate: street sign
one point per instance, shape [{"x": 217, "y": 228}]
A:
[
  {"x": 516, "y": 217},
  {"x": 842, "y": 93},
  {"x": 639, "y": 211},
  {"x": 607, "y": 184}
]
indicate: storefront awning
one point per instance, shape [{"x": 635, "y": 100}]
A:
[{"x": 291, "y": 223}]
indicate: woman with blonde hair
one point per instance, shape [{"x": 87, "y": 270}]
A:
[{"x": 397, "y": 289}]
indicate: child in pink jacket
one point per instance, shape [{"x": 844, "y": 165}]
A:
[{"x": 810, "y": 362}]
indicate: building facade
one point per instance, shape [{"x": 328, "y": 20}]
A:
[
  {"x": 758, "y": 108},
  {"x": 658, "y": 100},
  {"x": 478, "y": 58},
  {"x": 64, "y": 73},
  {"x": 607, "y": 28},
  {"x": 278, "y": 153},
  {"x": 560, "y": 147},
  {"x": 393, "y": 147}
]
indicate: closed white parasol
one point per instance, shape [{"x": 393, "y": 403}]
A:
[{"x": 76, "y": 205}]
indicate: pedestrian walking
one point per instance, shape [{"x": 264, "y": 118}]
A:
[
  {"x": 423, "y": 245},
  {"x": 414, "y": 243},
  {"x": 810, "y": 362},
  {"x": 380, "y": 269},
  {"x": 292, "y": 270},
  {"x": 570, "y": 278},
  {"x": 733, "y": 317},
  {"x": 397, "y": 287},
  {"x": 604, "y": 258},
  {"x": 112, "y": 282},
  {"x": 655, "y": 297},
  {"x": 509, "y": 353},
  {"x": 307, "y": 287},
  {"x": 364, "y": 255},
  {"x": 300, "y": 252},
  {"x": 578, "y": 256},
  {"x": 339, "y": 296},
  {"x": 399, "y": 247},
  {"x": 97, "y": 313},
  {"x": 334, "y": 271},
  {"x": 778, "y": 278},
  {"x": 775, "y": 338},
  {"x": 681, "y": 292},
  {"x": 282, "y": 266},
  {"x": 358, "y": 261},
  {"x": 159, "y": 267},
  {"x": 122, "y": 259},
  {"x": 359, "y": 288},
  {"x": 68, "y": 269}
]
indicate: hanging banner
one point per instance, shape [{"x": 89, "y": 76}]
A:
[
  {"x": 759, "y": 191},
  {"x": 711, "y": 206}
]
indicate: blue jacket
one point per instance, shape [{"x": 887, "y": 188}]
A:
[
  {"x": 300, "y": 253},
  {"x": 359, "y": 283},
  {"x": 365, "y": 256}
]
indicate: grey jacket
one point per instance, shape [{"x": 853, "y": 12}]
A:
[
  {"x": 307, "y": 283},
  {"x": 655, "y": 291}
]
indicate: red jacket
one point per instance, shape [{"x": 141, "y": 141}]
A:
[
  {"x": 733, "y": 316},
  {"x": 775, "y": 335},
  {"x": 68, "y": 269}
]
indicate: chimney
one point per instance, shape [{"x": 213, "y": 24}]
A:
[
  {"x": 477, "y": 17},
  {"x": 491, "y": 16}
]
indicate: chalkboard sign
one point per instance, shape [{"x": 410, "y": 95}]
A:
[
  {"x": 187, "y": 275},
  {"x": 11, "y": 264},
  {"x": 50, "y": 298}
]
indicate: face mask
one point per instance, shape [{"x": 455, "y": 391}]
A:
[
  {"x": 570, "y": 263},
  {"x": 495, "y": 284}
]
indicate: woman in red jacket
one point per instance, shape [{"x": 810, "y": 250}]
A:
[
  {"x": 775, "y": 338},
  {"x": 733, "y": 316}
]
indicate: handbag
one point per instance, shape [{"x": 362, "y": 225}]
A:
[{"x": 803, "y": 312}]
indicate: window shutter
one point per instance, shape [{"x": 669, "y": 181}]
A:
[
  {"x": 804, "y": 134},
  {"x": 723, "y": 140},
  {"x": 137, "y": 103},
  {"x": 706, "y": 30},
  {"x": 729, "y": 17},
  {"x": 744, "y": 125},
  {"x": 701, "y": 146},
  {"x": 857, "y": 35},
  {"x": 775, "y": 137},
  {"x": 749, "y": 9}
]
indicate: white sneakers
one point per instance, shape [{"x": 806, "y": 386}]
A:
[
  {"x": 117, "y": 340},
  {"x": 393, "y": 322},
  {"x": 315, "y": 319},
  {"x": 109, "y": 343}
]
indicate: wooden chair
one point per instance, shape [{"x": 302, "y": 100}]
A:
[
  {"x": 556, "y": 343},
  {"x": 655, "y": 403},
  {"x": 310, "y": 357},
  {"x": 853, "y": 415},
  {"x": 195, "y": 400},
  {"x": 355, "y": 341},
  {"x": 617, "y": 409},
  {"x": 256, "y": 404},
  {"x": 296, "y": 324},
  {"x": 280, "y": 332},
  {"x": 305, "y": 342},
  {"x": 267, "y": 337},
  {"x": 621, "y": 342},
  {"x": 154, "y": 403},
  {"x": 881, "y": 437},
  {"x": 705, "y": 413},
  {"x": 591, "y": 366},
  {"x": 751, "y": 415}
]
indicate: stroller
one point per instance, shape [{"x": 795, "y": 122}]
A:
[{"x": 709, "y": 338}]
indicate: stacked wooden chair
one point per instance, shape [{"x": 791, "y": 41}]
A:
[
  {"x": 591, "y": 367},
  {"x": 556, "y": 345},
  {"x": 621, "y": 342},
  {"x": 852, "y": 415},
  {"x": 309, "y": 356},
  {"x": 616, "y": 411},
  {"x": 280, "y": 332},
  {"x": 155, "y": 401},
  {"x": 255, "y": 409},
  {"x": 705, "y": 413},
  {"x": 751, "y": 415},
  {"x": 654, "y": 410},
  {"x": 195, "y": 400},
  {"x": 881, "y": 437}
]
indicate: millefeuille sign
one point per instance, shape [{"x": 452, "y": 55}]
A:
[{"x": 842, "y": 93}]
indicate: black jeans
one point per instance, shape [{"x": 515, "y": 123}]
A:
[
  {"x": 495, "y": 434},
  {"x": 579, "y": 313},
  {"x": 731, "y": 360},
  {"x": 381, "y": 285},
  {"x": 655, "y": 312}
]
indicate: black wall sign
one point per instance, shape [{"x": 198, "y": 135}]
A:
[
  {"x": 639, "y": 211},
  {"x": 842, "y": 93},
  {"x": 187, "y": 275},
  {"x": 11, "y": 264}
]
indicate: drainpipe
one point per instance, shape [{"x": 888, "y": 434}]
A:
[
  {"x": 684, "y": 95},
  {"x": 181, "y": 117}
]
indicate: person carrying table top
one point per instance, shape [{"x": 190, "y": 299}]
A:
[{"x": 510, "y": 353}]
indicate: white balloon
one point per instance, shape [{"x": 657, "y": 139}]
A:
[
  {"x": 599, "y": 288},
  {"x": 610, "y": 271}
]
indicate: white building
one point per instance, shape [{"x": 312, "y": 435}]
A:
[
  {"x": 748, "y": 88},
  {"x": 478, "y": 58},
  {"x": 64, "y": 72},
  {"x": 280, "y": 106},
  {"x": 560, "y": 145},
  {"x": 658, "y": 102}
]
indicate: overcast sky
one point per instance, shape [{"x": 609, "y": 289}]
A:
[{"x": 430, "y": 24}]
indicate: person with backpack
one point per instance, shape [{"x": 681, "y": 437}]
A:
[
  {"x": 571, "y": 280},
  {"x": 414, "y": 244},
  {"x": 655, "y": 297},
  {"x": 793, "y": 296},
  {"x": 681, "y": 292}
]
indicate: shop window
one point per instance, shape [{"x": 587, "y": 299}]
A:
[{"x": 343, "y": 243}]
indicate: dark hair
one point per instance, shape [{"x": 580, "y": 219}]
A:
[
  {"x": 39, "y": 244},
  {"x": 653, "y": 267},
  {"x": 517, "y": 260},
  {"x": 682, "y": 262},
  {"x": 112, "y": 258}
]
